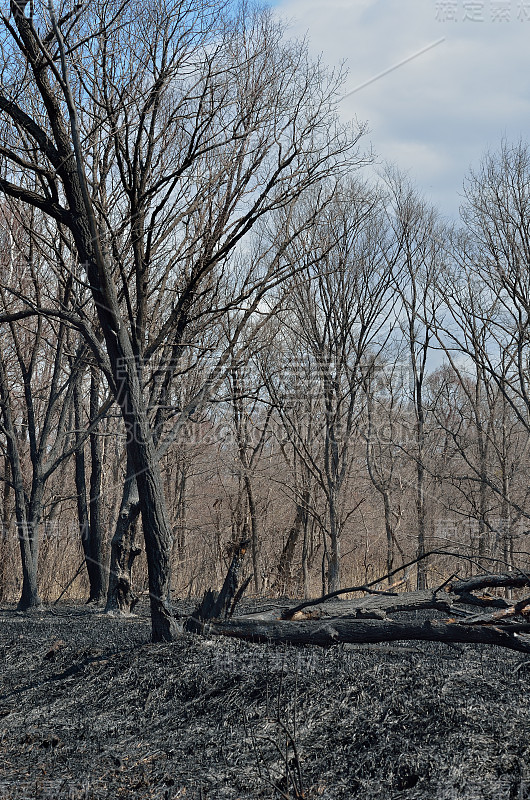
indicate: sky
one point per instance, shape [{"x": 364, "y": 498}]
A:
[{"x": 464, "y": 86}]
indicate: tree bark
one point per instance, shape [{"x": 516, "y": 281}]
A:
[
  {"x": 284, "y": 569},
  {"x": 89, "y": 522},
  {"x": 120, "y": 594},
  {"x": 490, "y": 581},
  {"x": 377, "y": 606},
  {"x": 6, "y": 529},
  {"x": 422, "y": 574},
  {"x": 389, "y": 528},
  {"x": 179, "y": 533}
]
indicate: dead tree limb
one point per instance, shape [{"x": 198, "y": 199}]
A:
[
  {"x": 519, "y": 609},
  {"x": 366, "y": 587},
  {"x": 489, "y": 581}
]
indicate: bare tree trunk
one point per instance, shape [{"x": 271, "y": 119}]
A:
[
  {"x": 96, "y": 543},
  {"x": 381, "y": 485},
  {"x": 27, "y": 530},
  {"x": 6, "y": 526},
  {"x": 120, "y": 595},
  {"x": 89, "y": 531},
  {"x": 335, "y": 630},
  {"x": 334, "y": 550},
  {"x": 420, "y": 508},
  {"x": 80, "y": 479},
  {"x": 389, "y": 528},
  {"x": 179, "y": 538},
  {"x": 307, "y": 552},
  {"x": 421, "y": 582},
  {"x": 483, "y": 499},
  {"x": 254, "y": 533},
  {"x": 285, "y": 564},
  {"x": 507, "y": 523},
  {"x": 220, "y": 605}
]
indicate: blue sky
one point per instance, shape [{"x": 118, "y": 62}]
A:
[{"x": 435, "y": 115}]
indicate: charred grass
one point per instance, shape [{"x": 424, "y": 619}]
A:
[{"x": 90, "y": 709}]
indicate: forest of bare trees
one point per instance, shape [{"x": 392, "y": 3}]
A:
[{"x": 216, "y": 328}]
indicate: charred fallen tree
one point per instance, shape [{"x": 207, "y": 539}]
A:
[
  {"x": 329, "y": 620},
  {"x": 339, "y": 629}
]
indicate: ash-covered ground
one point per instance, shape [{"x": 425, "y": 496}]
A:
[{"x": 90, "y": 709}]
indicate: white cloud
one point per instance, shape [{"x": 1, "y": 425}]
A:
[{"x": 438, "y": 113}]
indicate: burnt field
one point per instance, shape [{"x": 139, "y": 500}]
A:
[{"x": 90, "y": 709}]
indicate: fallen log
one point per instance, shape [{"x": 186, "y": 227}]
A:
[
  {"x": 461, "y": 591},
  {"x": 336, "y": 630},
  {"x": 379, "y": 606},
  {"x": 372, "y": 607},
  {"x": 376, "y": 606}
]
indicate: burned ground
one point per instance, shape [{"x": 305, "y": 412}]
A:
[{"x": 90, "y": 709}]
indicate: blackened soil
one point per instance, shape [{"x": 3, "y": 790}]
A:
[{"x": 90, "y": 709}]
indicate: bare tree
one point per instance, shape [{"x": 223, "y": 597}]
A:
[
  {"x": 89, "y": 504},
  {"x": 156, "y": 137},
  {"x": 38, "y": 382},
  {"x": 288, "y": 376},
  {"x": 338, "y": 309},
  {"x": 422, "y": 248},
  {"x": 487, "y": 292},
  {"x": 387, "y": 431},
  {"x": 250, "y": 423}
]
